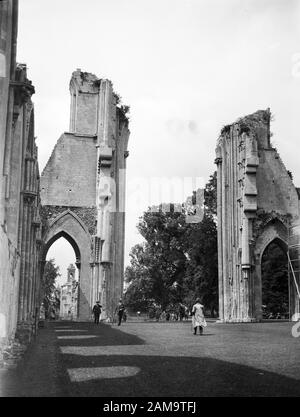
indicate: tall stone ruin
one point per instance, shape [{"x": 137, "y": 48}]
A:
[
  {"x": 257, "y": 204},
  {"x": 20, "y": 231},
  {"x": 83, "y": 191}
]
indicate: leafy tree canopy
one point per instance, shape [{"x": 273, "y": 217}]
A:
[
  {"x": 48, "y": 288},
  {"x": 178, "y": 260},
  {"x": 275, "y": 295}
]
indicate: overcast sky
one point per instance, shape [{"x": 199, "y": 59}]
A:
[{"x": 185, "y": 67}]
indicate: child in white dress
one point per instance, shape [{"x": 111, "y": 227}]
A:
[{"x": 198, "y": 319}]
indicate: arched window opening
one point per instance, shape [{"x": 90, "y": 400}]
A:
[
  {"x": 275, "y": 283},
  {"x": 60, "y": 281}
]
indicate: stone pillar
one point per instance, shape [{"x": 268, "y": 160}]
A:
[
  {"x": 224, "y": 238},
  {"x": 218, "y": 161},
  {"x": 294, "y": 269},
  {"x": 23, "y": 328},
  {"x": 237, "y": 162},
  {"x": 105, "y": 291},
  {"x": 25, "y": 226}
]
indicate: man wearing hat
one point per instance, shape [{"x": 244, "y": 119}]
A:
[
  {"x": 97, "y": 311},
  {"x": 120, "y": 311}
]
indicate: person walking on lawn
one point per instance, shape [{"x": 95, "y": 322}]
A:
[
  {"x": 120, "y": 310},
  {"x": 198, "y": 319},
  {"x": 97, "y": 311}
]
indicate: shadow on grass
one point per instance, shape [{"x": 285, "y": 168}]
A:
[
  {"x": 154, "y": 375},
  {"x": 103, "y": 335},
  {"x": 165, "y": 376}
]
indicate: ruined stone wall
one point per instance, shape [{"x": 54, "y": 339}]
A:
[
  {"x": 18, "y": 183},
  {"x": 256, "y": 203},
  {"x": 82, "y": 191},
  {"x": 9, "y": 254},
  {"x": 118, "y": 220},
  {"x": 29, "y": 229},
  {"x": 86, "y": 214},
  {"x": 276, "y": 188},
  {"x": 72, "y": 168},
  {"x": 84, "y": 90},
  {"x": 112, "y": 152},
  {"x": 68, "y": 183},
  {"x": 8, "y": 41}
]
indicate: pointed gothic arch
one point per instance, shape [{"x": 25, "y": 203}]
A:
[
  {"x": 275, "y": 282},
  {"x": 68, "y": 225},
  {"x": 272, "y": 231},
  {"x": 70, "y": 239}
]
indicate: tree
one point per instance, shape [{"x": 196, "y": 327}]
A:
[
  {"x": 210, "y": 196},
  {"x": 178, "y": 260},
  {"x": 201, "y": 276},
  {"x": 48, "y": 288},
  {"x": 139, "y": 293},
  {"x": 202, "y": 249},
  {"x": 275, "y": 295},
  {"x": 164, "y": 233},
  {"x": 160, "y": 261}
]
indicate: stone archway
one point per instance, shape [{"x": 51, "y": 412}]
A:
[
  {"x": 275, "y": 281},
  {"x": 272, "y": 231},
  {"x": 72, "y": 242},
  {"x": 69, "y": 226}
]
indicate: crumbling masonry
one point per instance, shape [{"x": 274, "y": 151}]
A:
[
  {"x": 257, "y": 204},
  {"x": 20, "y": 231},
  {"x": 83, "y": 191}
]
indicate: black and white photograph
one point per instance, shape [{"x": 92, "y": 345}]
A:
[{"x": 149, "y": 201}]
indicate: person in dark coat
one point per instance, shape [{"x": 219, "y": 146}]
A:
[
  {"x": 97, "y": 311},
  {"x": 120, "y": 311}
]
